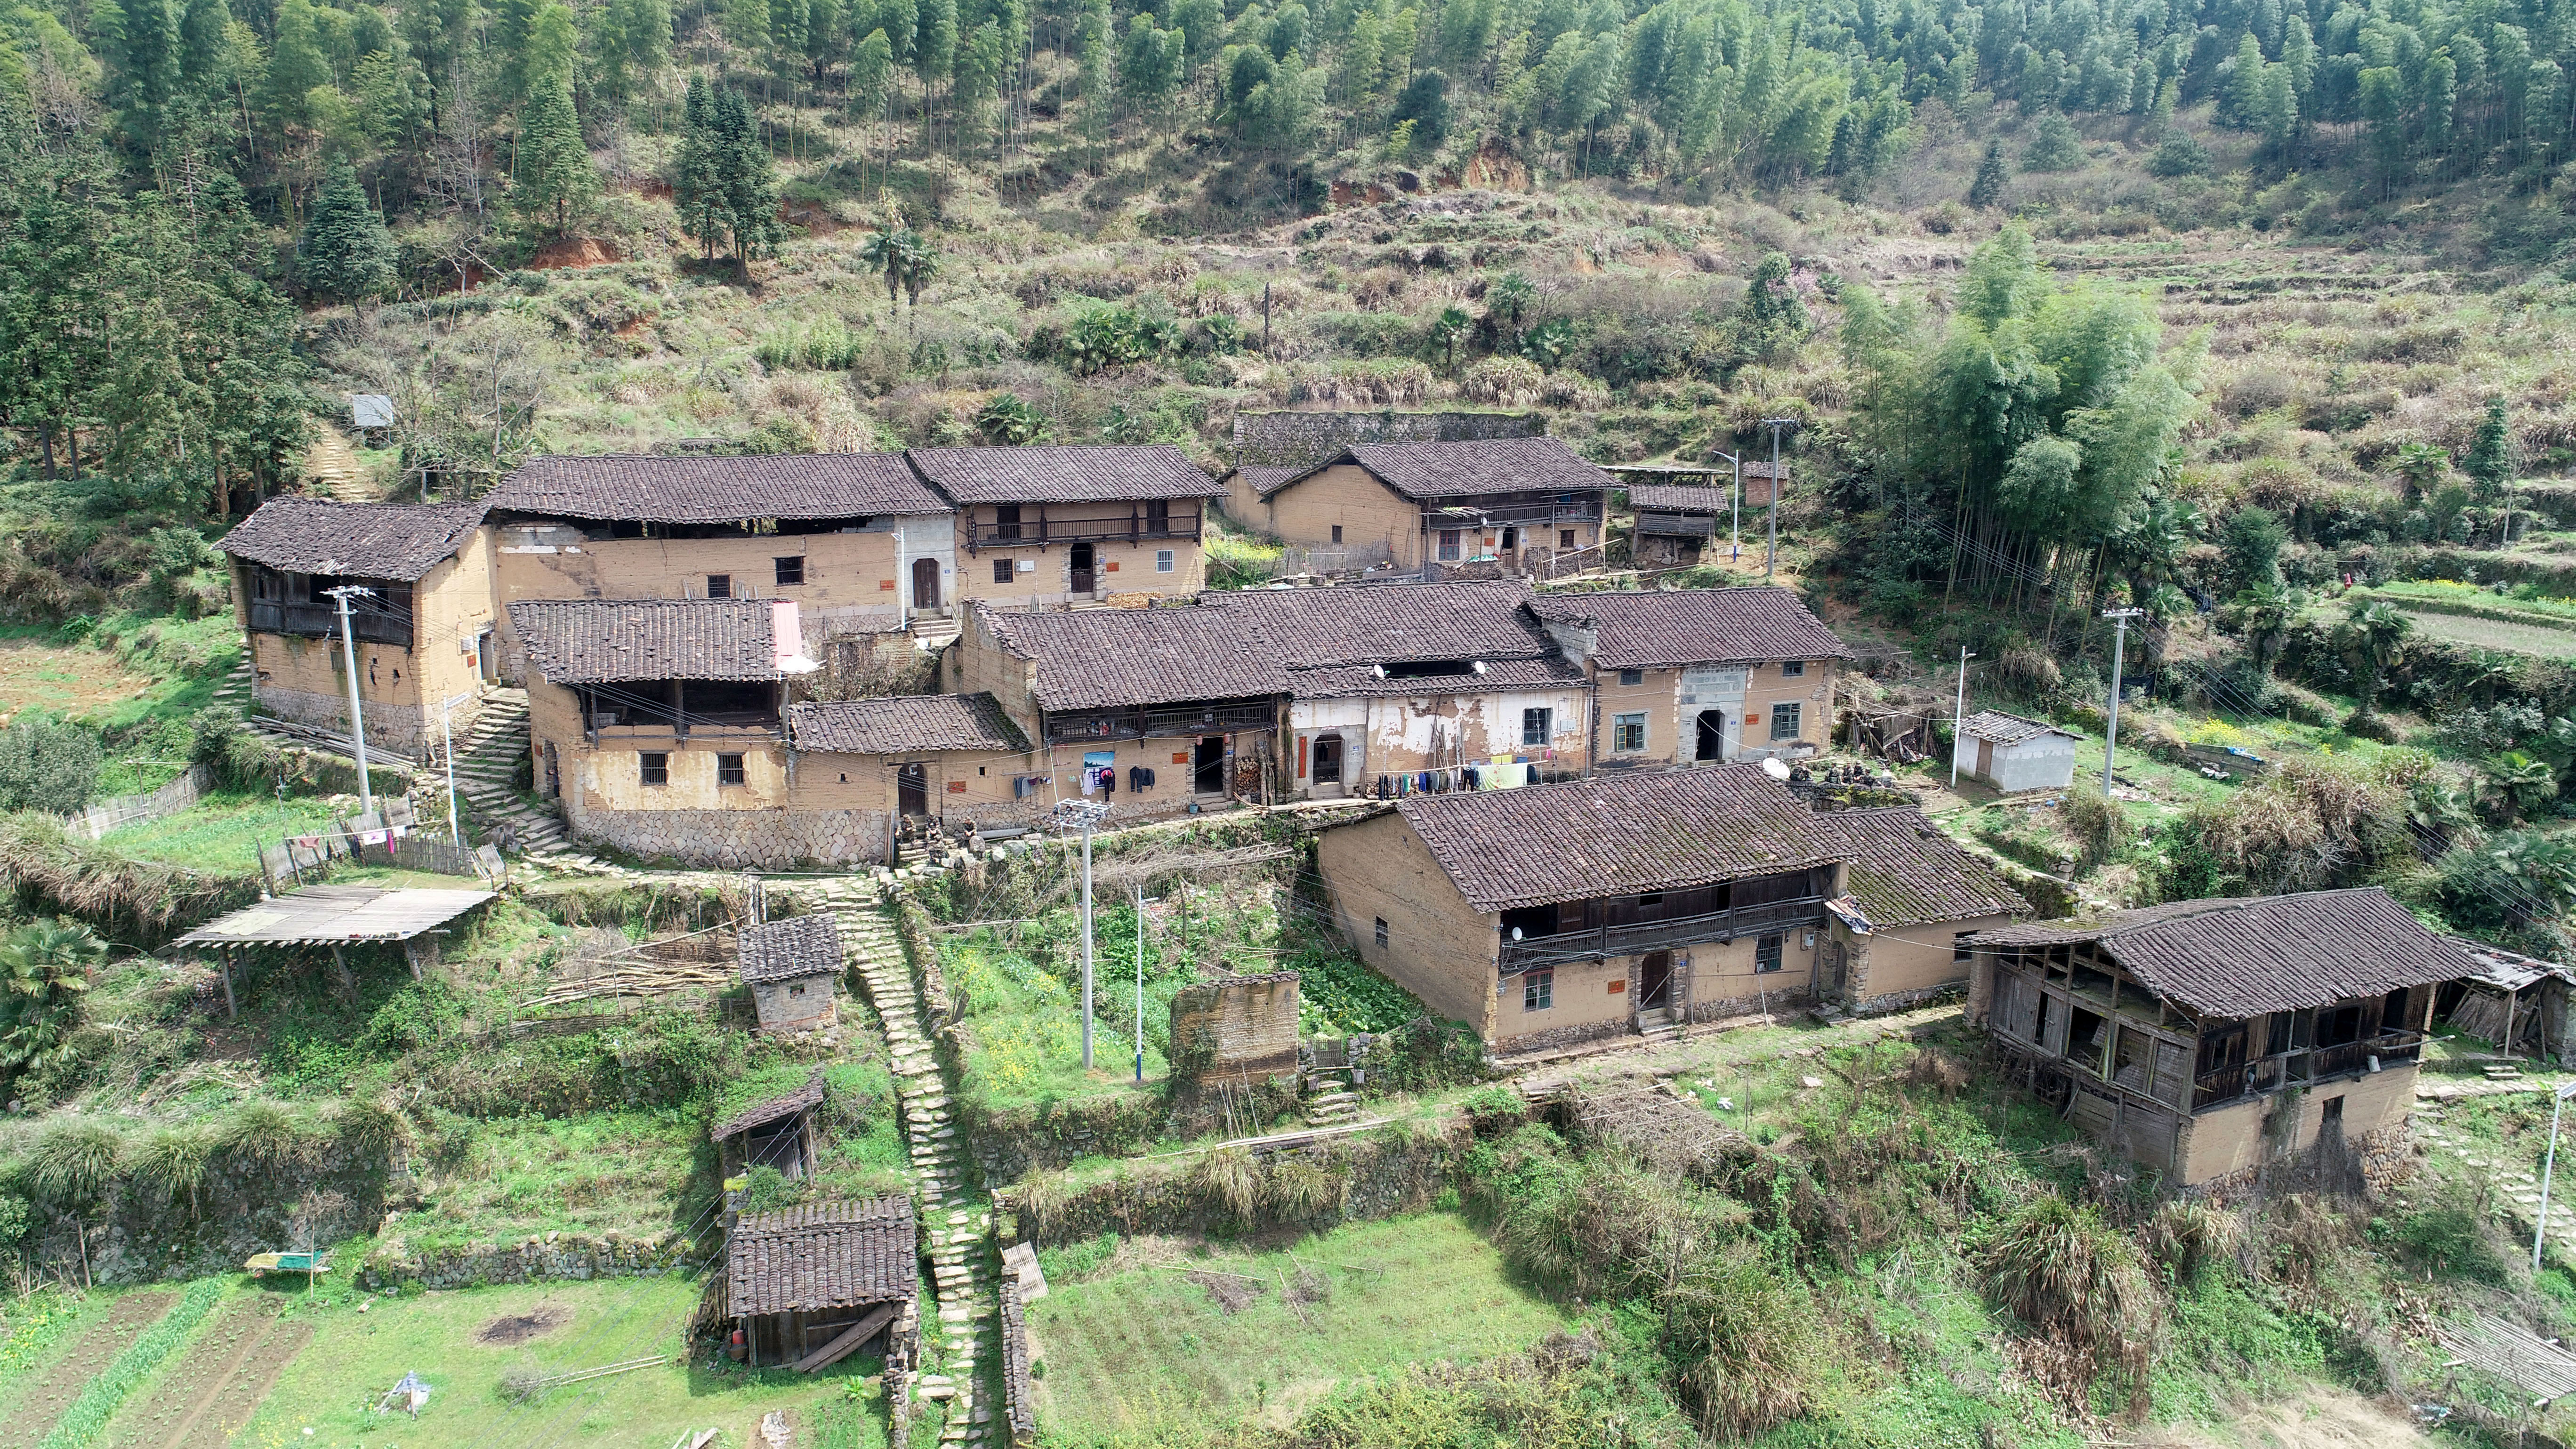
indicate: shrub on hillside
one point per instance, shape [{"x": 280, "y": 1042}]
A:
[
  {"x": 46, "y": 765},
  {"x": 2180, "y": 155}
]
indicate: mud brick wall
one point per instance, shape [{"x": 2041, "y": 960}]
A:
[
  {"x": 1290, "y": 439},
  {"x": 735, "y": 839},
  {"x": 1236, "y": 1026},
  {"x": 1015, "y": 1368}
]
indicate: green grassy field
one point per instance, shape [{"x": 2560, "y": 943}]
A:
[
  {"x": 2539, "y": 637},
  {"x": 329, "y": 1387},
  {"x": 621, "y": 1170},
  {"x": 1140, "y": 1342},
  {"x": 222, "y": 832}
]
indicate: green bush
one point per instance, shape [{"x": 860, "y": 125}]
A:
[
  {"x": 2180, "y": 155},
  {"x": 2447, "y": 1239},
  {"x": 47, "y": 765}
]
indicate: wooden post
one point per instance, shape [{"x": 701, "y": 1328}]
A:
[{"x": 232, "y": 1009}]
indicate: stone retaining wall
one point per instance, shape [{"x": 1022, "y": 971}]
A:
[
  {"x": 577, "y": 1257},
  {"x": 1382, "y": 1173},
  {"x": 735, "y": 839}
]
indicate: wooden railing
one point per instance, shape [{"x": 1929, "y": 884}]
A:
[
  {"x": 317, "y": 621},
  {"x": 1677, "y": 525},
  {"x": 1136, "y": 527},
  {"x": 1147, "y": 723},
  {"x": 2303, "y": 1067},
  {"x": 1604, "y": 941},
  {"x": 1468, "y": 515}
]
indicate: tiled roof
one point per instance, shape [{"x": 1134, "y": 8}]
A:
[
  {"x": 823, "y": 1255},
  {"x": 789, "y": 950},
  {"x": 1356, "y": 681},
  {"x": 1266, "y": 478},
  {"x": 1679, "y": 498},
  {"x": 903, "y": 723},
  {"x": 2242, "y": 957},
  {"x": 1619, "y": 834},
  {"x": 1282, "y": 641},
  {"x": 1658, "y": 629},
  {"x": 1075, "y": 473},
  {"x": 2006, "y": 729},
  {"x": 362, "y": 540},
  {"x": 1905, "y": 872},
  {"x": 784, "y": 1105},
  {"x": 603, "y": 641},
  {"x": 630, "y": 486},
  {"x": 1425, "y": 471}
]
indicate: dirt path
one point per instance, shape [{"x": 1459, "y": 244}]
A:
[
  {"x": 2319, "y": 1418},
  {"x": 211, "y": 1391},
  {"x": 98, "y": 1347}
]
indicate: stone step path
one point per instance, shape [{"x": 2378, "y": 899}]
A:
[
  {"x": 487, "y": 761},
  {"x": 955, "y": 1215},
  {"x": 2516, "y": 1184}
]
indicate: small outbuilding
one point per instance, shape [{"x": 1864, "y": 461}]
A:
[
  {"x": 775, "y": 1133},
  {"x": 810, "y": 1285},
  {"x": 2014, "y": 754},
  {"x": 2518, "y": 1002},
  {"x": 789, "y": 966}
]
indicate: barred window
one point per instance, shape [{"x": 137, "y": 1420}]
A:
[
  {"x": 657, "y": 767},
  {"x": 1766, "y": 954}
]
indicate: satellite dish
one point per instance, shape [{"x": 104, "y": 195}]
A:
[{"x": 1775, "y": 768}]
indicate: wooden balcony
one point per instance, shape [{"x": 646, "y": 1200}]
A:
[
  {"x": 1600, "y": 943},
  {"x": 1142, "y": 522},
  {"x": 1677, "y": 525},
  {"x": 322, "y": 621},
  {"x": 2303, "y": 1067},
  {"x": 1157, "y": 721}
]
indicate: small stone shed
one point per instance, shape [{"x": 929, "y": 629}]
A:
[
  {"x": 2012, "y": 753},
  {"x": 1236, "y": 1026},
  {"x": 776, "y": 1133},
  {"x": 811, "y": 1285},
  {"x": 789, "y": 966}
]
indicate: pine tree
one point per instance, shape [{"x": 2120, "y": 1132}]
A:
[
  {"x": 750, "y": 186},
  {"x": 2490, "y": 460},
  {"x": 556, "y": 181},
  {"x": 697, "y": 182},
  {"x": 1992, "y": 173},
  {"x": 344, "y": 251}
]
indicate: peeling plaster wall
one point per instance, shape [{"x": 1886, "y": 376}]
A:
[{"x": 1382, "y": 736}]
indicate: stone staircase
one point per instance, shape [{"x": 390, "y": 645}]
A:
[
  {"x": 955, "y": 1216},
  {"x": 487, "y": 759},
  {"x": 2518, "y": 1185},
  {"x": 238, "y": 691},
  {"x": 1658, "y": 1025},
  {"x": 1330, "y": 1102}
]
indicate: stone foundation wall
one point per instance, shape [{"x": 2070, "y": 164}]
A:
[
  {"x": 1018, "y": 1408},
  {"x": 736, "y": 839},
  {"x": 1010, "y": 1144},
  {"x": 1895, "y": 1001},
  {"x": 575, "y": 1256},
  {"x": 1784, "y": 1000},
  {"x": 407, "y": 732},
  {"x": 2381, "y": 1159},
  {"x": 1562, "y": 1036}
]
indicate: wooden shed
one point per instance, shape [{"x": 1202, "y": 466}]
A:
[
  {"x": 776, "y": 1133},
  {"x": 2518, "y": 1002},
  {"x": 811, "y": 1285},
  {"x": 789, "y": 966}
]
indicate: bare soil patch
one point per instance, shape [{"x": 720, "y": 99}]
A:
[
  {"x": 2317, "y": 1419},
  {"x": 216, "y": 1386},
  {"x": 517, "y": 1328},
  {"x": 62, "y": 679},
  {"x": 98, "y": 1347},
  {"x": 1232, "y": 1294}
]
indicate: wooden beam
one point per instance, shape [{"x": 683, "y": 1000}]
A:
[{"x": 848, "y": 1340}]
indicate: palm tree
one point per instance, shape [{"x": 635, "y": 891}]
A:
[
  {"x": 2262, "y": 614},
  {"x": 43, "y": 971},
  {"x": 2377, "y": 630},
  {"x": 1509, "y": 297},
  {"x": 2521, "y": 782},
  {"x": 1447, "y": 331}
]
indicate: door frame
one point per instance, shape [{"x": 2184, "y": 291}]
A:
[
  {"x": 925, "y": 569},
  {"x": 911, "y": 782},
  {"x": 1340, "y": 755},
  {"x": 1654, "y": 981},
  {"x": 1702, "y": 737},
  {"x": 1082, "y": 580},
  {"x": 1201, "y": 764}
]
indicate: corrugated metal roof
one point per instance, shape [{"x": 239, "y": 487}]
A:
[
  {"x": 1666, "y": 628},
  {"x": 604, "y": 641},
  {"x": 2245, "y": 956},
  {"x": 823, "y": 1255},
  {"x": 1619, "y": 834},
  {"x": 2007, "y": 729},
  {"x": 902, "y": 723},
  {"x": 1074, "y": 473},
  {"x": 643, "y": 488},
  {"x": 357, "y": 540},
  {"x": 788, "y": 950},
  {"x": 322, "y": 914}
]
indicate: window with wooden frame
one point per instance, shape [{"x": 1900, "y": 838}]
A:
[
  {"x": 1785, "y": 721},
  {"x": 729, "y": 770},
  {"x": 1632, "y": 676},
  {"x": 1538, "y": 990},
  {"x": 1001, "y": 571},
  {"x": 1381, "y": 930},
  {"x": 1766, "y": 954},
  {"x": 1793, "y": 668},
  {"x": 790, "y": 570},
  {"x": 1449, "y": 545},
  {"x": 1565, "y": 538},
  {"x": 1628, "y": 732},
  {"x": 719, "y": 586},
  {"x": 1538, "y": 726}
]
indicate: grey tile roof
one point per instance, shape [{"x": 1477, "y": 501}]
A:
[
  {"x": 1358, "y": 681},
  {"x": 903, "y": 723},
  {"x": 1905, "y": 872},
  {"x": 833, "y": 1254},
  {"x": 786, "y": 1104},
  {"x": 1619, "y": 834},
  {"x": 2006, "y": 729},
  {"x": 1426, "y": 471},
  {"x": 603, "y": 641},
  {"x": 1659, "y": 629},
  {"x": 1680, "y": 498},
  {"x": 2244, "y": 956},
  {"x": 1073, "y": 473},
  {"x": 789, "y": 950},
  {"x": 362, "y": 540},
  {"x": 1281, "y": 641},
  {"x": 637, "y": 487}
]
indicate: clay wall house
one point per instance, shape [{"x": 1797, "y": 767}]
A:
[
  {"x": 424, "y": 634},
  {"x": 659, "y": 728},
  {"x": 1061, "y": 525},
  {"x": 809, "y": 1285},
  {"x": 1270, "y": 448},
  {"x": 2012, "y": 753},
  {"x": 1700, "y": 676},
  {"x": 1510, "y": 501},
  {"x": 953, "y": 758},
  {"x": 1555, "y": 913},
  {"x": 2208, "y": 1038},
  {"x": 856, "y": 540},
  {"x": 1902, "y": 934},
  {"x": 777, "y": 1134},
  {"x": 790, "y": 966}
]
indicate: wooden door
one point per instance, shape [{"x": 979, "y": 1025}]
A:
[{"x": 925, "y": 583}]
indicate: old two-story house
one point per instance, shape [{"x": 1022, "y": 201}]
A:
[
  {"x": 1622, "y": 903},
  {"x": 1700, "y": 676},
  {"x": 2207, "y": 1038},
  {"x": 423, "y": 627},
  {"x": 659, "y": 726},
  {"x": 1902, "y": 934},
  {"x": 1061, "y": 525},
  {"x": 953, "y": 758},
  {"x": 856, "y": 540},
  {"x": 1396, "y": 688},
  {"x": 1505, "y": 501}
]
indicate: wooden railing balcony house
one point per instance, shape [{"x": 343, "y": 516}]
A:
[
  {"x": 322, "y": 620},
  {"x": 1019, "y": 525},
  {"x": 1600, "y": 943}
]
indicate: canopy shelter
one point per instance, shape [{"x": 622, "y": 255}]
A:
[{"x": 335, "y": 916}]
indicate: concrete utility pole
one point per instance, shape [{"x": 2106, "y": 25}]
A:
[
  {"x": 357, "y": 720},
  {"x": 447, "y": 743},
  {"x": 1085, "y": 813},
  {"x": 1140, "y": 983},
  {"x": 2540, "y": 1229},
  {"x": 2119, "y": 646},
  {"x": 1959, "y": 716},
  {"x": 1735, "y": 504},
  {"x": 1771, "y": 556}
]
